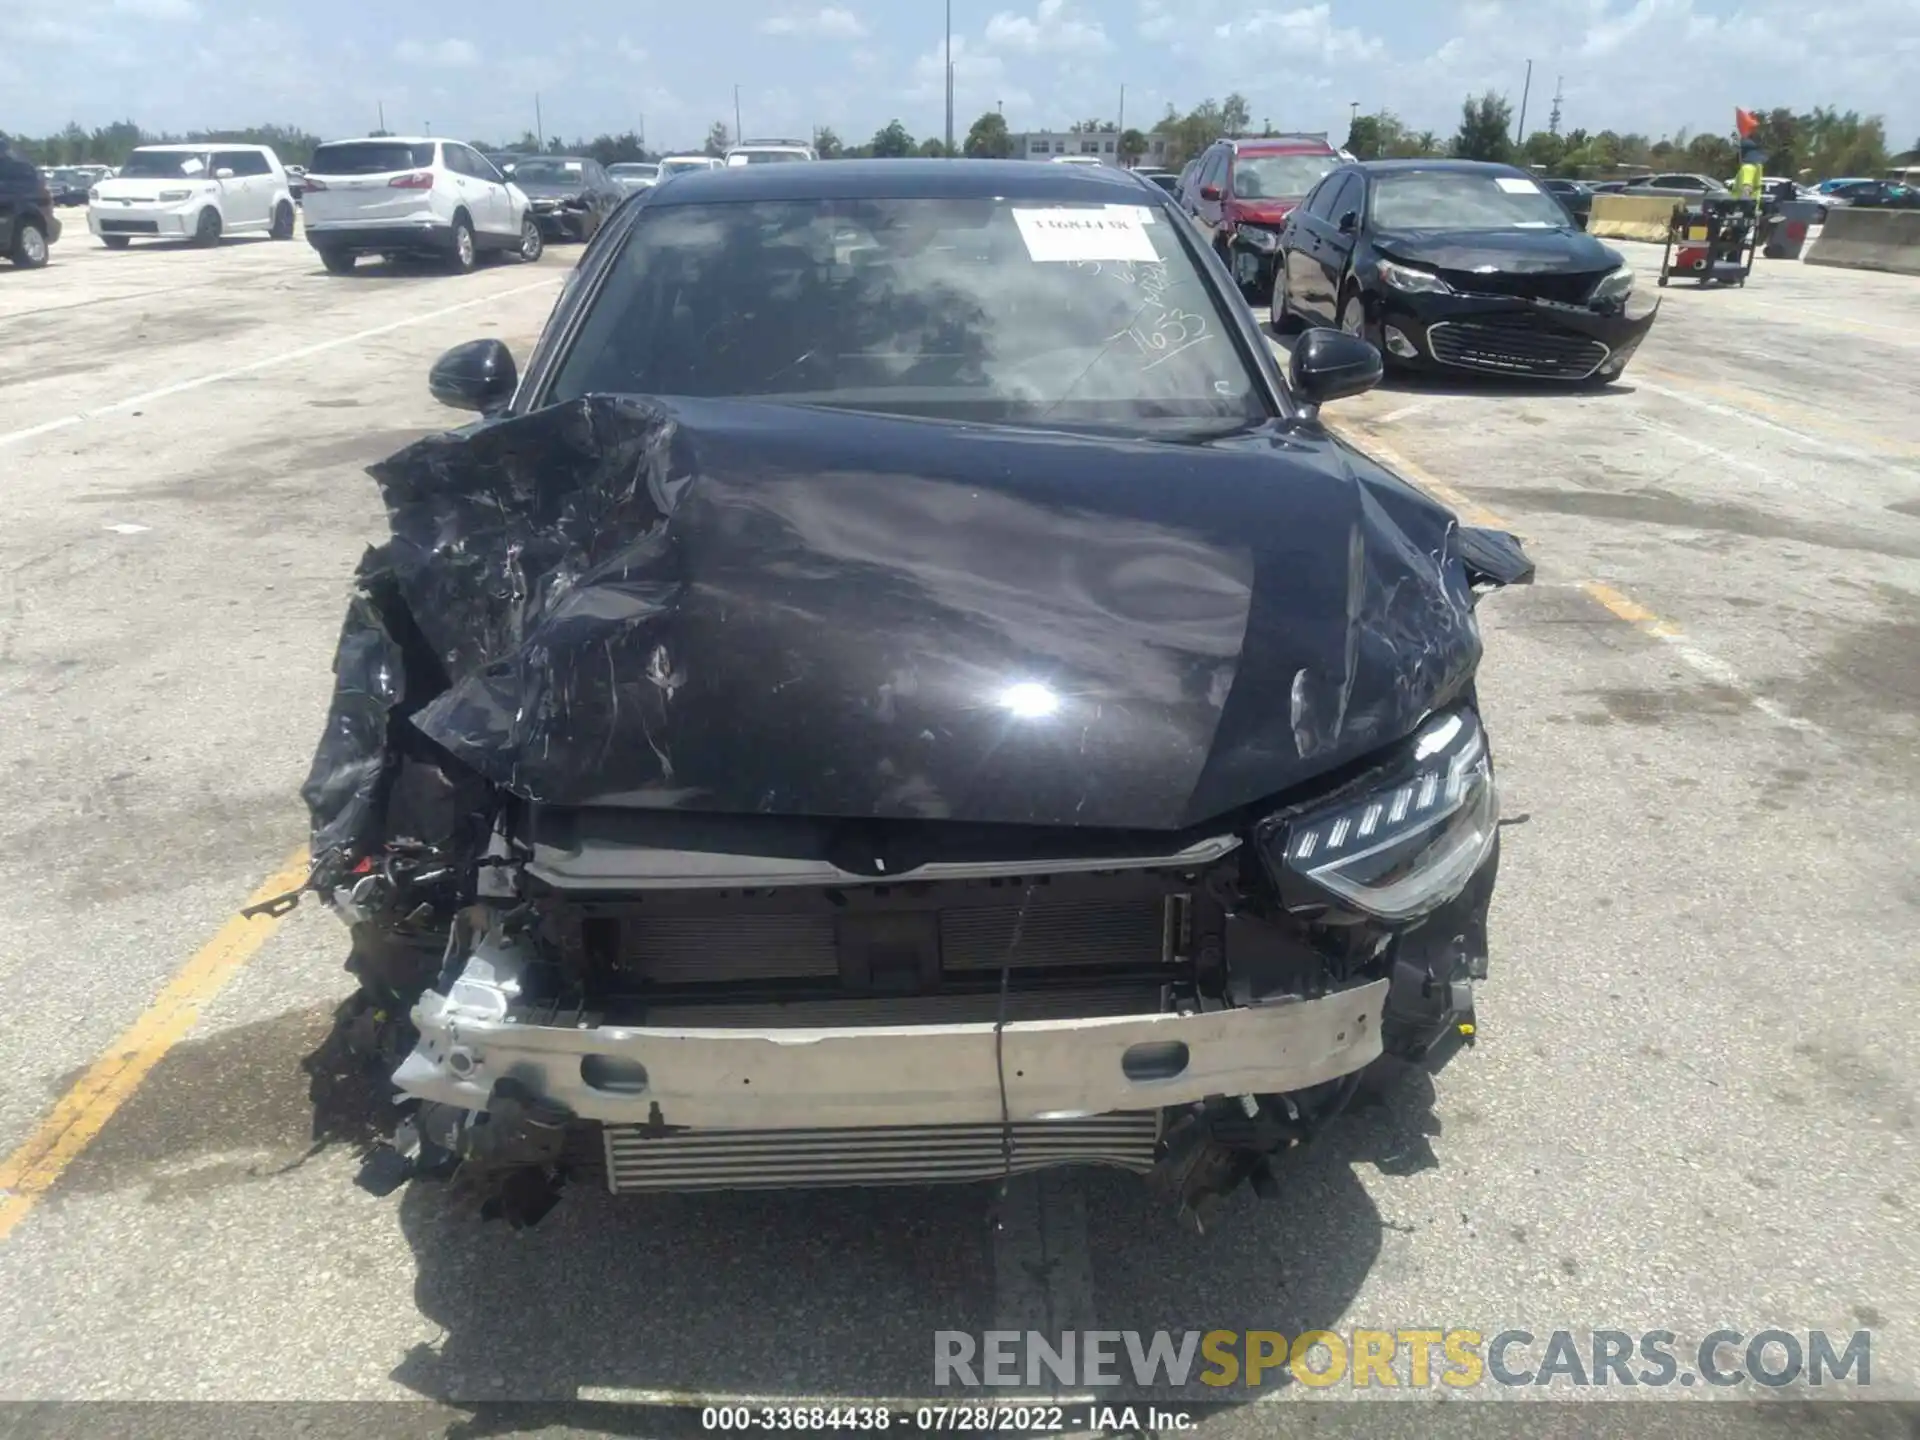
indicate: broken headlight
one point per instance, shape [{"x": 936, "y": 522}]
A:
[{"x": 1409, "y": 841}]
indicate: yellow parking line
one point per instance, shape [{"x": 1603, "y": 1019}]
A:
[{"x": 83, "y": 1112}]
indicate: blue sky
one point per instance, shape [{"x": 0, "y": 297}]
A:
[{"x": 472, "y": 69}]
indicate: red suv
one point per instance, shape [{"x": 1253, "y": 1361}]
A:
[{"x": 1240, "y": 192}]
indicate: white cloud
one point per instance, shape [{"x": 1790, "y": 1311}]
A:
[
  {"x": 626, "y": 50},
  {"x": 831, "y": 23},
  {"x": 441, "y": 54},
  {"x": 1051, "y": 29},
  {"x": 1307, "y": 34},
  {"x": 158, "y": 9}
]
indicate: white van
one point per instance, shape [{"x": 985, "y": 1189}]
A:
[
  {"x": 200, "y": 192},
  {"x": 405, "y": 195}
]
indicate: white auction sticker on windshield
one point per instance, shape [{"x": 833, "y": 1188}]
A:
[
  {"x": 1516, "y": 185},
  {"x": 192, "y": 165},
  {"x": 1110, "y": 233}
]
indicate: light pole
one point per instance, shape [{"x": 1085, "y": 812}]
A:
[
  {"x": 739, "y": 138},
  {"x": 1353, "y": 115},
  {"x": 949, "y": 77},
  {"x": 1520, "y": 130}
]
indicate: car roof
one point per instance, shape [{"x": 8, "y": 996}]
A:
[
  {"x": 190, "y": 148},
  {"x": 1457, "y": 167},
  {"x": 911, "y": 180},
  {"x": 1282, "y": 145},
  {"x": 392, "y": 140},
  {"x": 571, "y": 159}
]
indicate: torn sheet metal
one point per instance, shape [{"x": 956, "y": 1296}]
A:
[{"x": 758, "y": 609}]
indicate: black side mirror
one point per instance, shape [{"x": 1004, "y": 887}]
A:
[
  {"x": 1331, "y": 364},
  {"x": 479, "y": 375},
  {"x": 1349, "y": 222}
]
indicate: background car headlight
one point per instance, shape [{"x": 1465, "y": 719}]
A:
[
  {"x": 173, "y": 197},
  {"x": 1414, "y": 282},
  {"x": 93, "y": 194},
  {"x": 1258, "y": 239},
  {"x": 1616, "y": 285},
  {"x": 1409, "y": 843}
]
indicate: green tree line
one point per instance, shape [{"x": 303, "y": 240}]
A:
[{"x": 1817, "y": 144}]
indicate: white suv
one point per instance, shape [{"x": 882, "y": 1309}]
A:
[
  {"x": 198, "y": 192},
  {"x": 395, "y": 195}
]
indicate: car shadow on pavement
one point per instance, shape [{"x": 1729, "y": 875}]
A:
[
  {"x": 800, "y": 1294},
  {"x": 838, "y": 1293}
]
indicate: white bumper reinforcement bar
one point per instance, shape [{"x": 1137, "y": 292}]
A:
[{"x": 889, "y": 1075}]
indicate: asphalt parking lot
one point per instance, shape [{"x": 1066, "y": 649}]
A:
[{"x": 1695, "y": 1102}]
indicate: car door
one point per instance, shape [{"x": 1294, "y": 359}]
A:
[
  {"x": 1341, "y": 227},
  {"x": 600, "y": 194},
  {"x": 1313, "y": 296},
  {"x": 485, "y": 191},
  {"x": 1209, "y": 194}
]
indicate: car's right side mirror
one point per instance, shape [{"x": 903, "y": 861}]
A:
[
  {"x": 479, "y": 375},
  {"x": 1331, "y": 364}
]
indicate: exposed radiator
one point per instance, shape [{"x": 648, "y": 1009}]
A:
[{"x": 895, "y": 1155}]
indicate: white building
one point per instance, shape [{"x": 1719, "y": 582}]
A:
[{"x": 1045, "y": 144}]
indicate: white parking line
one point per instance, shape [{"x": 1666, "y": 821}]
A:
[{"x": 146, "y": 397}]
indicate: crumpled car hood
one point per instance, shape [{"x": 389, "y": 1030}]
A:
[{"x": 746, "y": 608}]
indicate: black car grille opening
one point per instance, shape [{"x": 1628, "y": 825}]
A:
[
  {"x": 1560, "y": 289},
  {"x": 129, "y": 227},
  {"x": 1518, "y": 344}
]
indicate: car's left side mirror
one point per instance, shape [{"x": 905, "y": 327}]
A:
[
  {"x": 223, "y": 173},
  {"x": 1331, "y": 364},
  {"x": 479, "y": 375}
]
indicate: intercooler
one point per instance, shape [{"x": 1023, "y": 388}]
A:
[{"x": 903, "y": 1155}]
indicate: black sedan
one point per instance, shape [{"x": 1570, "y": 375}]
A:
[
  {"x": 1578, "y": 198},
  {"x": 1458, "y": 265},
  {"x": 908, "y": 584},
  {"x": 571, "y": 194}
]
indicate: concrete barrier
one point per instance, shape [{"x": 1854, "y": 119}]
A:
[
  {"x": 1860, "y": 239},
  {"x": 1632, "y": 217}
]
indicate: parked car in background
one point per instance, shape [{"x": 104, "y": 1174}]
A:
[
  {"x": 1578, "y": 198},
  {"x": 674, "y": 165},
  {"x": 399, "y": 195},
  {"x": 1459, "y": 265},
  {"x": 27, "y": 222},
  {"x": 1165, "y": 179},
  {"x": 1827, "y": 187},
  {"x": 1879, "y": 194},
  {"x": 572, "y": 196},
  {"x": 1676, "y": 184},
  {"x": 297, "y": 180},
  {"x": 1242, "y": 193},
  {"x": 70, "y": 184},
  {"x": 634, "y": 174},
  {"x": 200, "y": 191},
  {"x": 768, "y": 152},
  {"x": 505, "y": 160}
]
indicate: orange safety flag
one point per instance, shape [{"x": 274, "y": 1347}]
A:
[{"x": 1746, "y": 122}]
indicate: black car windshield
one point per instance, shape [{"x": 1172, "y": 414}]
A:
[
  {"x": 370, "y": 157},
  {"x": 976, "y": 309},
  {"x": 1279, "y": 177},
  {"x": 1462, "y": 200},
  {"x": 682, "y": 167},
  {"x": 550, "y": 172},
  {"x": 166, "y": 165}
]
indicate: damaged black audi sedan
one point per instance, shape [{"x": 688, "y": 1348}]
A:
[
  {"x": 901, "y": 688},
  {"x": 1460, "y": 265}
]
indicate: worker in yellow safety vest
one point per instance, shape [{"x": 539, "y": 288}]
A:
[{"x": 1747, "y": 184}]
